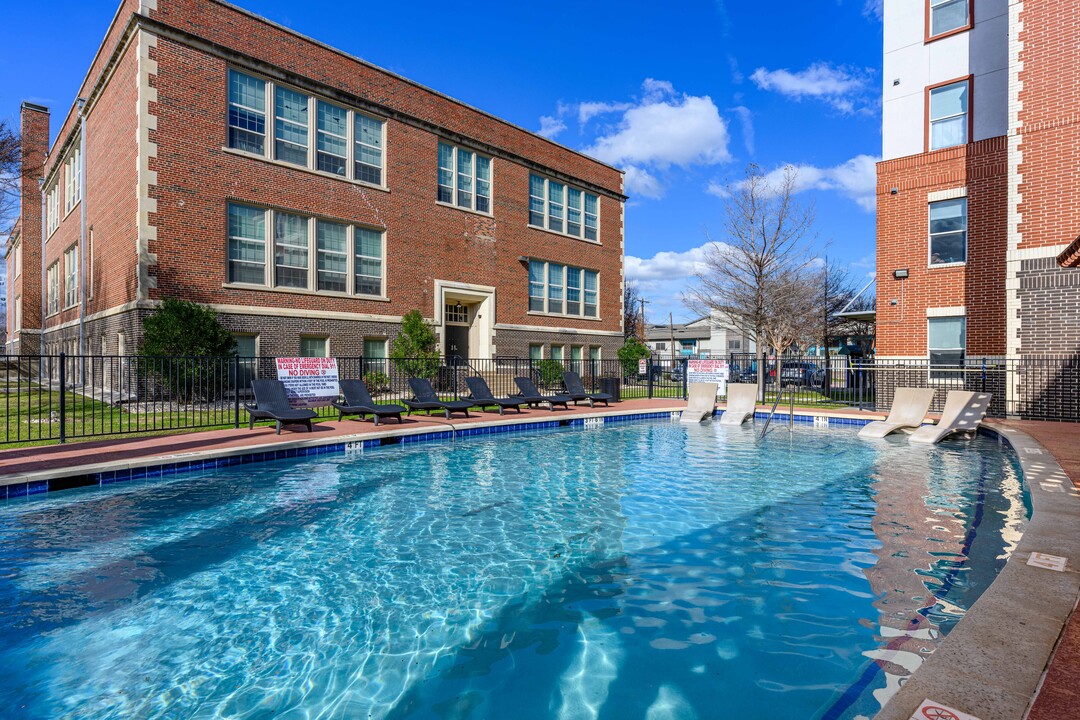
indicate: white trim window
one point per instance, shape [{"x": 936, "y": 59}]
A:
[
  {"x": 18, "y": 259},
  {"x": 52, "y": 209},
  {"x": 72, "y": 180},
  {"x": 556, "y": 289},
  {"x": 314, "y": 346},
  {"x": 297, "y": 118},
  {"x": 563, "y": 209},
  {"x": 948, "y": 232},
  {"x": 949, "y": 115},
  {"x": 17, "y": 320},
  {"x": 71, "y": 276},
  {"x": 946, "y": 340},
  {"x": 464, "y": 179},
  {"x": 52, "y": 276},
  {"x": 947, "y": 15},
  {"x": 347, "y": 259}
]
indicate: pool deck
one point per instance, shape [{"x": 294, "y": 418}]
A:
[{"x": 969, "y": 672}]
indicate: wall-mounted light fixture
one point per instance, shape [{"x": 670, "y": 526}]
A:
[
  {"x": 523, "y": 260},
  {"x": 900, "y": 274},
  {"x": 896, "y": 82},
  {"x": 894, "y": 191}
]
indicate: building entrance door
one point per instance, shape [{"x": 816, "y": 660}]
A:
[{"x": 457, "y": 344}]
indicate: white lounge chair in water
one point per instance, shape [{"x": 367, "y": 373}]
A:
[
  {"x": 964, "y": 412},
  {"x": 741, "y": 403},
  {"x": 908, "y": 411},
  {"x": 702, "y": 402}
]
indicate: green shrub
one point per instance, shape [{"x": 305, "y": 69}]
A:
[
  {"x": 550, "y": 372},
  {"x": 377, "y": 382},
  {"x": 185, "y": 348},
  {"x": 415, "y": 351},
  {"x": 630, "y": 353}
]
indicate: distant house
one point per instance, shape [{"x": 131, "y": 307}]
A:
[{"x": 707, "y": 336}]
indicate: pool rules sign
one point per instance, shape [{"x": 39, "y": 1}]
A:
[{"x": 309, "y": 381}]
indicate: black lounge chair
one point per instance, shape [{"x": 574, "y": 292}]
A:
[
  {"x": 481, "y": 395},
  {"x": 358, "y": 402},
  {"x": 576, "y": 390},
  {"x": 532, "y": 397},
  {"x": 426, "y": 399},
  {"x": 271, "y": 403}
]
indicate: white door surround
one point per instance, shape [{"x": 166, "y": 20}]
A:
[{"x": 480, "y": 300}]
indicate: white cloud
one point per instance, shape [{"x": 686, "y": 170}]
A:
[
  {"x": 664, "y": 278},
  {"x": 841, "y": 87},
  {"x": 550, "y": 126},
  {"x": 874, "y": 9},
  {"x": 641, "y": 182},
  {"x": 855, "y": 179},
  {"x": 746, "y": 120}
]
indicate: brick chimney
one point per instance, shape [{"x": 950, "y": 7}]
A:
[{"x": 34, "y": 132}]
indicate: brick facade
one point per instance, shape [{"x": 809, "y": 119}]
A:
[{"x": 159, "y": 180}]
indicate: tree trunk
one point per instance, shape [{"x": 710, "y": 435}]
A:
[{"x": 759, "y": 350}]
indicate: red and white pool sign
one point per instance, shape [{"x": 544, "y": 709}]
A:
[
  {"x": 708, "y": 371},
  {"x": 309, "y": 381},
  {"x": 932, "y": 710}
]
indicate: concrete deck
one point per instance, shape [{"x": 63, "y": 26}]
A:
[{"x": 992, "y": 665}]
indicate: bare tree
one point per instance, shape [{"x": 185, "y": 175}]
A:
[
  {"x": 10, "y": 174},
  {"x": 750, "y": 271},
  {"x": 633, "y": 319}
]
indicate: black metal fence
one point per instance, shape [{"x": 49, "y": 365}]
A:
[{"x": 56, "y": 398}]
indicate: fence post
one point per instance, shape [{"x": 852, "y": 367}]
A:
[
  {"x": 983, "y": 375},
  {"x": 236, "y": 391},
  {"x": 649, "y": 376},
  {"x": 685, "y": 370},
  {"x": 63, "y": 404}
]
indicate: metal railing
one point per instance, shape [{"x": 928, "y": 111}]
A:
[{"x": 790, "y": 391}]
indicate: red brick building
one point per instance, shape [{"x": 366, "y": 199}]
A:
[
  {"x": 977, "y": 188},
  {"x": 309, "y": 197}
]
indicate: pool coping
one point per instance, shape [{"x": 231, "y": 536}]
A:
[{"x": 992, "y": 663}]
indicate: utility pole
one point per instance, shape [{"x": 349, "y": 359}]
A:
[
  {"x": 671, "y": 329},
  {"x": 642, "y": 320}
]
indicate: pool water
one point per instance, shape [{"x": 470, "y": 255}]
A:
[{"x": 645, "y": 570}]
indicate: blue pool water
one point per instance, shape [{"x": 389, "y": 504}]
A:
[{"x": 647, "y": 570}]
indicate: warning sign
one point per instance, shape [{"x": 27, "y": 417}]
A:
[
  {"x": 930, "y": 710},
  {"x": 309, "y": 381},
  {"x": 708, "y": 371}
]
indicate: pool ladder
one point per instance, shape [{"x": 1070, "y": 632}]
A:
[{"x": 790, "y": 391}]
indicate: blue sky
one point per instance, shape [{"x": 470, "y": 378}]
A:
[{"x": 682, "y": 96}]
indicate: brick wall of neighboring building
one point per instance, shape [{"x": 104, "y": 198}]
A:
[{"x": 903, "y": 243}]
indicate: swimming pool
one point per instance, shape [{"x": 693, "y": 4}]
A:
[{"x": 642, "y": 570}]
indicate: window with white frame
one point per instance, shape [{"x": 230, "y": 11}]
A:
[
  {"x": 52, "y": 210},
  {"x": 949, "y": 115},
  {"x": 72, "y": 180},
  {"x": 18, "y": 259},
  {"x": 557, "y": 353},
  {"x": 314, "y": 347},
  {"x": 52, "y": 281},
  {"x": 456, "y": 313},
  {"x": 18, "y": 313},
  {"x": 71, "y": 276},
  {"x": 594, "y": 353},
  {"x": 562, "y": 290},
  {"x": 536, "y": 352},
  {"x": 563, "y": 208},
  {"x": 308, "y": 253},
  {"x": 344, "y": 138},
  {"x": 946, "y": 341},
  {"x": 948, "y": 231},
  {"x": 948, "y": 15},
  {"x": 464, "y": 178},
  {"x": 375, "y": 362}
]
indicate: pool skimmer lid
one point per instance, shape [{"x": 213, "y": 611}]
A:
[
  {"x": 933, "y": 710},
  {"x": 1049, "y": 562}
]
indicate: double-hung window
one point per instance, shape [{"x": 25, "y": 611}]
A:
[
  {"x": 949, "y": 105},
  {"x": 946, "y": 16},
  {"x": 308, "y": 253},
  {"x": 946, "y": 340},
  {"x": 52, "y": 210},
  {"x": 72, "y": 180},
  {"x": 464, "y": 178},
  {"x": 563, "y": 208},
  {"x": 557, "y": 289},
  {"x": 53, "y": 284},
  {"x": 948, "y": 231},
  {"x": 71, "y": 276},
  {"x": 347, "y": 143}
]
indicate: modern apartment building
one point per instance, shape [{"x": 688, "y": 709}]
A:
[
  {"x": 978, "y": 184},
  {"x": 309, "y": 197}
]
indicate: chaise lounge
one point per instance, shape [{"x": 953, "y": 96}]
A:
[
  {"x": 701, "y": 403},
  {"x": 741, "y": 403},
  {"x": 427, "y": 399},
  {"x": 909, "y": 408},
  {"x": 964, "y": 412},
  {"x": 576, "y": 390},
  {"x": 532, "y": 397},
  {"x": 481, "y": 395},
  {"x": 358, "y": 402},
  {"x": 272, "y": 403}
]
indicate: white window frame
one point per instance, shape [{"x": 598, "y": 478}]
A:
[
  {"x": 17, "y": 319},
  {"x": 931, "y": 120},
  {"x": 931, "y": 235},
  {"x": 322, "y": 338},
  {"x": 71, "y": 277},
  {"x": 52, "y": 209},
  {"x": 539, "y": 348},
  {"x": 72, "y": 180},
  {"x": 562, "y": 290},
  {"x": 270, "y": 265},
  {"x": 456, "y": 178},
  {"x": 17, "y": 260},
  {"x": 549, "y": 203},
  {"x": 939, "y": 374},
  {"x": 52, "y": 275},
  {"x": 270, "y": 120}
]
